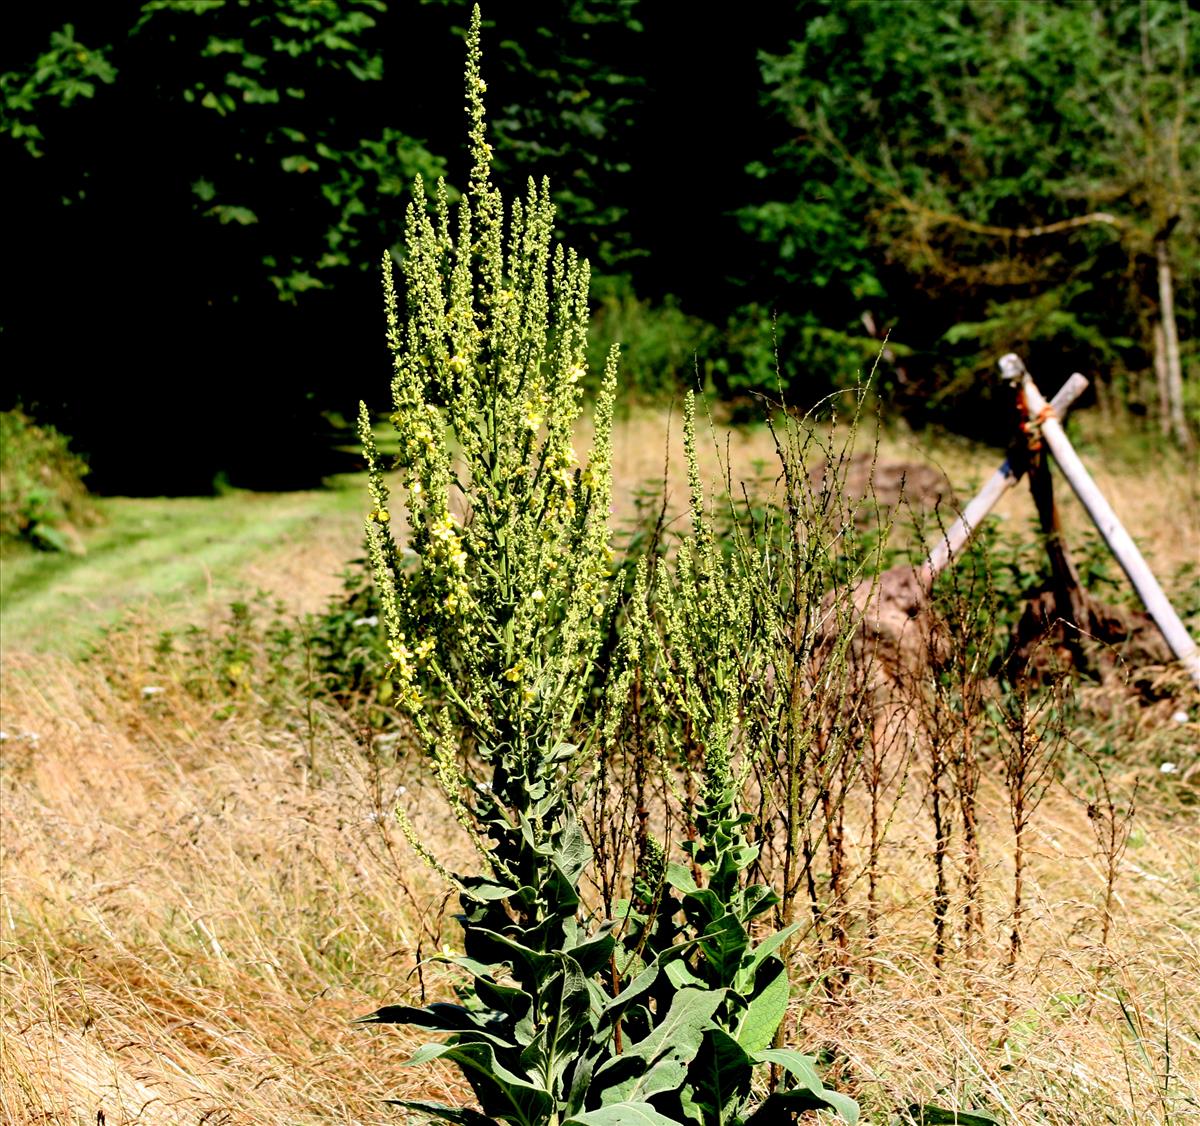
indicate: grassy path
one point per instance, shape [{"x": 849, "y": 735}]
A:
[
  {"x": 176, "y": 554},
  {"x": 181, "y": 555}
]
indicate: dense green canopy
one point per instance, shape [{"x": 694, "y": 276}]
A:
[{"x": 200, "y": 191}]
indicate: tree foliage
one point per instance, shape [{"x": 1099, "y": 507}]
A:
[
  {"x": 977, "y": 174},
  {"x": 255, "y": 152},
  {"x": 967, "y": 177}
]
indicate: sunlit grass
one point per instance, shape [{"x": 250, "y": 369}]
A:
[
  {"x": 172, "y": 552},
  {"x": 191, "y": 918}
]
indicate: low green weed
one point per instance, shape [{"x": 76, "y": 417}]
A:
[{"x": 43, "y": 499}]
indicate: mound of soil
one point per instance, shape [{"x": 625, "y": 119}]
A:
[
  {"x": 1106, "y": 642},
  {"x": 897, "y": 641},
  {"x": 872, "y": 486},
  {"x": 894, "y": 644}
]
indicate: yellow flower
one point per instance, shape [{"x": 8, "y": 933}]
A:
[
  {"x": 514, "y": 674},
  {"x": 443, "y": 530},
  {"x": 538, "y": 595},
  {"x": 458, "y": 365}
]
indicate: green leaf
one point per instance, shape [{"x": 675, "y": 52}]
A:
[
  {"x": 666, "y": 1074},
  {"x": 769, "y": 945},
  {"x": 675, "y": 1040},
  {"x": 461, "y": 1116},
  {"x": 499, "y": 1090},
  {"x": 242, "y": 216},
  {"x": 929, "y": 1115},
  {"x": 679, "y": 876},
  {"x": 720, "y": 1078},
  {"x": 642, "y": 984},
  {"x": 807, "y": 1091},
  {"x": 593, "y": 953},
  {"x": 484, "y": 889},
  {"x": 440, "y": 1017},
  {"x": 621, "y": 1114},
  {"x": 680, "y": 974},
  {"x": 766, "y": 1010},
  {"x": 723, "y": 943},
  {"x": 298, "y": 163}
]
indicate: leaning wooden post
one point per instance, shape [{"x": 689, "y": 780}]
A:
[
  {"x": 1069, "y": 604},
  {"x": 1118, "y": 539},
  {"x": 985, "y": 500}
]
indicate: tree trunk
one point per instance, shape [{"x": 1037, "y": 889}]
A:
[
  {"x": 1161, "y": 380},
  {"x": 1170, "y": 334}
]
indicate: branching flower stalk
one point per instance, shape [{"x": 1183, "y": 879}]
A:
[
  {"x": 704, "y": 648},
  {"x": 1032, "y": 727},
  {"x": 812, "y": 590},
  {"x": 492, "y": 633},
  {"x": 1111, "y": 825}
]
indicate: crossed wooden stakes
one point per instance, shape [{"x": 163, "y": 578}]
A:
[{"x": 1042, "y": 426}]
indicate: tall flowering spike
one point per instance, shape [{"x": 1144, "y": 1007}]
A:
[
  {"x": 497, "y": 610},
  {"x": 390, "y": 305},
  {"x": 481, "y": 151},
  {"x": 695, "y": 486},
  {"x": 375, "y": 482}
]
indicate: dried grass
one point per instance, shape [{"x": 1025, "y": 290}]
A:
[{"x": 190, "y": 919}]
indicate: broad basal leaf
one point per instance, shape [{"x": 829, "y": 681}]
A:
[
  {"x": 675, "y": 1041},
  {"x": 461, "y": 1116},
  {"x": 766, "y": 1009},
  {"x": 501, "y": 1093},
  {"x": 805, "y": 1090},
  {"x": 621, "y": 1114},
  {"x": 938, "y": 1116}
]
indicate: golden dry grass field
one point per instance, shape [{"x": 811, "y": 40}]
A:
[{"x": 197, "y": 901}]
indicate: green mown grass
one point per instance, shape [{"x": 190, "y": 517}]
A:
[{"x": 172, "y": 552}]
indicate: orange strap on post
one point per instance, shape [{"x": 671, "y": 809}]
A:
[{"x": 1032, "y": 427}]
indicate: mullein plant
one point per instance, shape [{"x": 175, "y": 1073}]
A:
[
  {"x": 494, "y": 617},
  {"x": 699, "y": 634}
]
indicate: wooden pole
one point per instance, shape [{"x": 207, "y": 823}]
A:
[
  {"x": 1069, "y": 605},
  {"x": 1119, "y": 541},
  {"x": 961, "y": 531}
]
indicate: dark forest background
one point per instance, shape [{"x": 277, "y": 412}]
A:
[{"x": 198, "y": 195}]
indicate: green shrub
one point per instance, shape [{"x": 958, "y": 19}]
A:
[
  {"x": 42, "y": 496},
  {"x": 662, "y": 347},
  {"x": 261, "y": 655}
]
